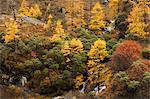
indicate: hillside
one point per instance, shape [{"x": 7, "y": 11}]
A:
[{"x": 74, "y": 49}]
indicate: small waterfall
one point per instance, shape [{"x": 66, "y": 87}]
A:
[
  {"x": 23, "y": 80},
  {"x": 96, "y": 89},
  {"x": 110, "y": 27},
  {"x": 18, "y": 81},
  {"x": 102, "y": 88},
  {"x": 84, "y": 86},
  {"x": 59, "y": 97}
]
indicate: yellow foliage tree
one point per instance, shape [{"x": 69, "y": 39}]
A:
[
  {"x": 97, "y": 19},
  {"x": 98, "y": 72},
  {"x": 113, "y": 9},
  {"x": 74, "y": 46},
  {"x": 49, "y": 22},
  {"x": 136, "y": 19},
  {"x": 75, "y": 13},
  {"x": 59, "y": 33},
  {"x": 98, "y": 50},
  {"x": 11, "y": 31},
  {"x": 34, "y": 11}
]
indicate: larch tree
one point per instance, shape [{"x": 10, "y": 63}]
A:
[
  {"x": 137, "y": 20},
  {"x": 71, "y": 49},
  {"x": 33, "y": 11},
  {"x": 113, "y": 9},
  {"x": 98, "y": 72},
  {"x": 73, "y": 46},
  {"x": 11, "y": 31},
  {"x": 59, "y": 33},
  {"x": 78, "y": 81},
  {"x": 48, "y": 25},
  {"x": 75, "y": 13},
  {"x": 97, "y": 17}
]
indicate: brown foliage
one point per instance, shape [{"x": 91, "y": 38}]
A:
[
  {"x": 137, "y": 70},
  {"x": 125, "y": 54}
]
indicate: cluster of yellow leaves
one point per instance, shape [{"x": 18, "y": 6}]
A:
[
  {"x": 78, "y": 81},
  {"x": 98, "y": 50},
  {"x": 11, "y": 31},
  {"x": 97, "y": 17},
  {"x": 59, "y": 33},
  {"x": 136, "y": 19},
  {"x": 33, "y": 11},
  {"x": 113, "y": 8},
  {"x": 74, "y": 46}
]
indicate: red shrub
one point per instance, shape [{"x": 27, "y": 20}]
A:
[{"x": 125, "y": 54}]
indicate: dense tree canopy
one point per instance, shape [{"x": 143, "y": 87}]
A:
[{"x": 53, "y": 47}]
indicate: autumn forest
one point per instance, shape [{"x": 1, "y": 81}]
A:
[{"x": 74, "y": 49}]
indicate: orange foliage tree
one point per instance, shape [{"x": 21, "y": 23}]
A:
[{"x": 125, "y": 54}]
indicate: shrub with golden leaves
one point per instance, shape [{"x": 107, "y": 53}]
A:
[
  {"x": 34, "y": 11},
  {"x": 11, "y": 31}
]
